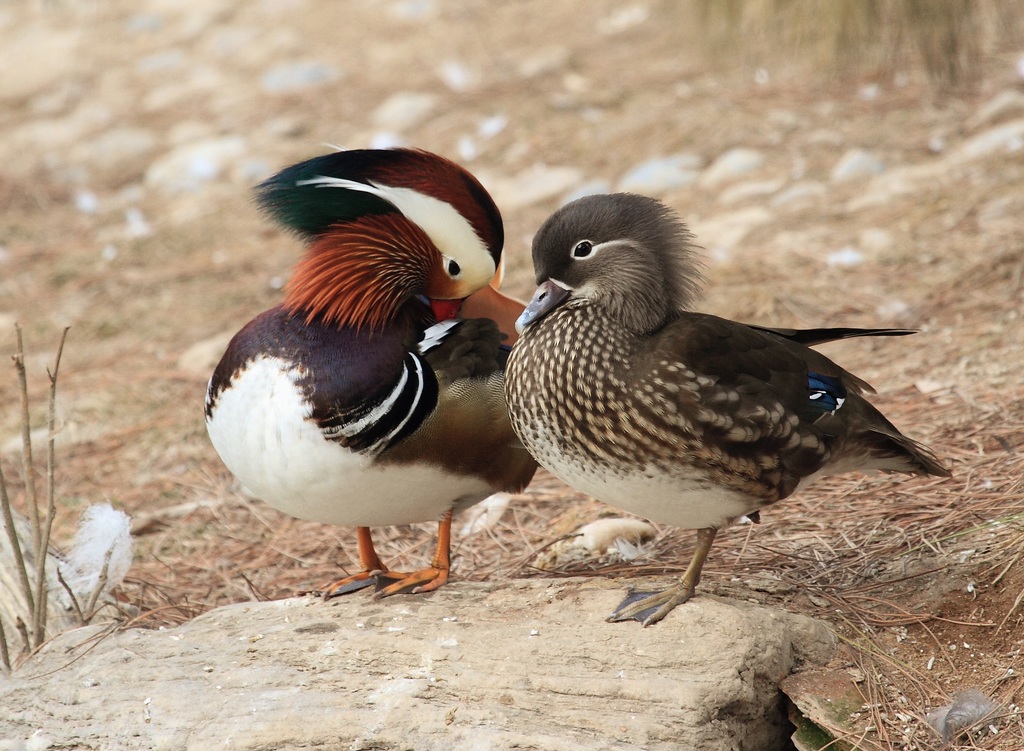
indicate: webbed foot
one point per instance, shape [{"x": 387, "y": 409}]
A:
[{"x": 650, "y": 607}]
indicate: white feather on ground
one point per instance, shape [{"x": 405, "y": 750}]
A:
[{"x": 103, "y": 531}]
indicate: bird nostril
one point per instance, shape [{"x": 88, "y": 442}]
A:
[{"x": 542, "y": 296}]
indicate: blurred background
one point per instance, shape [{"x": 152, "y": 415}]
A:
[{"x": 843, "y": 162}]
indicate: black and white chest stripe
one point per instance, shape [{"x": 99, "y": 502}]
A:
[{"x": 377, "y": 424}]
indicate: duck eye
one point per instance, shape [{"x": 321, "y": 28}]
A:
[
  {"x": 453, "y": 268},
  {"x": 583, "y": 249}
]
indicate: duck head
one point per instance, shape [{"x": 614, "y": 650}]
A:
[
  {"x": 383, "y": 226},
  {"x": 626, "y": 253}
]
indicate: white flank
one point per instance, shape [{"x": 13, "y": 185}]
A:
[
  {"x": 444, "y": 225},
  {"x": 667, "y": 499},
  {"x": 262, "y": 431},
  {"x": 673, "y": 498}
]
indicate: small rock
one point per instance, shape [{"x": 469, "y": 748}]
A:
[
  {"x": 969, "y": 708},
  {"x": 723, "y": 232},
  {"x": 404, "y": 110},
  {"x": 591, "y": 188},
  {"x": 845, "y": 257},
  {"x": 662, "y": 174},
  {"x": 1001, "y": 215},
  {"x": 187, "y": 168},
  {"x": 458, "y": 76},
  {"x": 161, "y": 61},
  {"x": 857, "y": 164},
  {"x": 825, "y": 702},
  {"x": 543, "y": 61},
  {"x": 202, "y": 357},
  {"x": 138, "y": 23},
  {"x": 34, "y": 59},
  {"x": 413, "y": 10},
  {"x": 118, "y": 148},
  {"x": 892, "y": 310},
  {"x": 87, "y": 202},
  {"x": 286, "y": 126},
  {"x": 286, "y": 78},
  {"x": 136, "y": 224},
  {"x": 869, "y": 92},
  {"x": 798, "y": 193},
  {"x": 898, "y": 182},
  {"x": 491, "y": 126},
  {"x": 1006, "y": 102},
  {"x": 1002, "y": 139},
  {"x": 623, "y": 19},
  {"x": 467, "y": 148},
  {"x": 533, "y": 185},
  {"x": 742, "y": 191},
  {"x": 731, "y": 165},
  {"x": 251, "y": 171},
  {"x": 387, "y": 140},
  {"x": 876, "y": 240}
]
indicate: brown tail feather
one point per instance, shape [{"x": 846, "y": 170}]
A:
[{"x": 892, "y": 451}]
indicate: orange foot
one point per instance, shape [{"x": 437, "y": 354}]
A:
[
  {"x": 387, "y": 583},
  {"x": 425, "y": 580},
  {"x": 352, "y": 583}
]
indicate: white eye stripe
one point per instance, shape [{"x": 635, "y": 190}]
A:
[
  {"x": 453, "y": 235},
  {"x": 590, "y": 249},
  {"x": 582, "y": 249}
]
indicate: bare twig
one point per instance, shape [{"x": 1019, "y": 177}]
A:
[
  {"x": 12, "y": 534},
  {"x": 26, "y": 441},
  {"x": 71, "y": 594},
  {"x": 5, "y": 656},
  {"x": 101, "y": 583},
  {"x": 43, "y": 541}
]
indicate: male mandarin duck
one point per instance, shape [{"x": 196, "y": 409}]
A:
[
  {"x": 363, "y": 399},
  {"x": 624, "y": 393}
]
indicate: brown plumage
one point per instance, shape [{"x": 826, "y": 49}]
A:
[{"x": 617, "y": 387}]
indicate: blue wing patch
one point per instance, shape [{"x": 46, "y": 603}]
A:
[{"x": 827, "y": 393}]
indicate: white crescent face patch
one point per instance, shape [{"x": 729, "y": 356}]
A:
[{"x": 453, "y": 235}]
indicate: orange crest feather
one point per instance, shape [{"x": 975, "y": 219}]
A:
[{"x": 360, "y": 273}]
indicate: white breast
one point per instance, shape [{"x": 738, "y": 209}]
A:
[
  {"x": 691, "y": 502},
  {"x": 261, "y": 428}
]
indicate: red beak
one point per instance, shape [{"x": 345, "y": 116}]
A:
[{"x": 445, "y": 310}]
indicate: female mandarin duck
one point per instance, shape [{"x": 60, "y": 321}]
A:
[
  {"x": 621, "y": 391},
  {"x": 362, "y": 400}
]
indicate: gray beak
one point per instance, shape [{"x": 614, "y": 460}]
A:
[{"x": 547, "y": 297}]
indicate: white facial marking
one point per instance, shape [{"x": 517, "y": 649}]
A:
[
  {"x": 453, "y": 235},
  {"x": 584, "y": 250}
]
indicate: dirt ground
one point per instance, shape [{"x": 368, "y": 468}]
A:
[{"x": 130, "y": 137}]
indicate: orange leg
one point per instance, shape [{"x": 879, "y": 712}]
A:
[
  {"x": 425, "y": 580},
  {"x": 371, "y": 568}
]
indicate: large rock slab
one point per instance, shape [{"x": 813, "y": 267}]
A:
[{"x": 500, "y": 665}]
